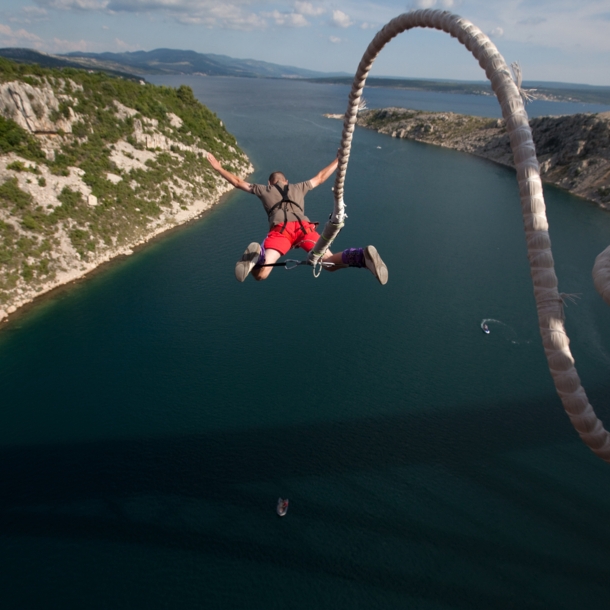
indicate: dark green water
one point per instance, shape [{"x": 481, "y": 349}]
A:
[{"x": 152, "y": 415}]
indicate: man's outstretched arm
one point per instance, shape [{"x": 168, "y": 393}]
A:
[
  {"x": 236, "y": 181},
  {"x": 324, "y": 174}
]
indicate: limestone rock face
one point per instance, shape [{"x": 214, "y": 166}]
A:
[
  {"x": 574, "y": 153},
  {"x": 32, "y": 108},
  {"x": 573, "y": 150},
  {"x": 58, "y": 222}
]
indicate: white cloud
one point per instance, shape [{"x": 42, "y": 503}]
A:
[
  {"x": 28, "y": 15},
  {"x": 335, "y": 39},
  {"x": 443, "y": 4},
  {"x": 562, "y": 25},
  {"x": 341, "y": 19},
  {"x": 67, "y": 46},
  {"x": 79, "y": 5},
  {"x": 209, "y": 13},
  {"x": 565, "y": 25},
  {"x": 11, "y": 38},
  {"x": 295, "y": 20},
  {"x": 16, "y": 38},
  {"x": 532, "y": 21},
  {"x": 496, "y": 33},
  {"x": 34, "y": 11},
  {"x": 307, "y": 8},
  {"x": 121, "y": 45},
  {"x": 230, "y": 16},
  {"x": 58, "y": 45},
  {"x": 178, "y": 6}
]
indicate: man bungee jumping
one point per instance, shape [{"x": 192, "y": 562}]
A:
[{"x": 284, "y": 204}]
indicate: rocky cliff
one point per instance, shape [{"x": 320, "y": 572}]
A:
[
  {"x": 92, "y": 165},
  {"x": 573, "y": 150}
]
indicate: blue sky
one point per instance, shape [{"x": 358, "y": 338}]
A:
[{"x": 553, "y": 40}]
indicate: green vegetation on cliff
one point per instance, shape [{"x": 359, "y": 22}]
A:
[{"x": 96, "y": 162}]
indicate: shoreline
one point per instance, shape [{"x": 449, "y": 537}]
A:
[
  {"x": 86, "y": 181},
  {"x": 115, "y": 258},
  {"x": 573, "y": 151}
]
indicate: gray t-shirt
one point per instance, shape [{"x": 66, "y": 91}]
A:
[{"x": 270, "y": 196}]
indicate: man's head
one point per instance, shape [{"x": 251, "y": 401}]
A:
[{"x": 277, "y": 177}]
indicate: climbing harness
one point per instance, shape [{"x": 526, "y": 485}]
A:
[
  {"x": 292, "y": 263},
  {"x": 283, "y": 205}
]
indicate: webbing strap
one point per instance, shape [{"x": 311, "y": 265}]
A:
[
  {"x": 285, "y": 201},
  {"x": 291, "y": 263}
]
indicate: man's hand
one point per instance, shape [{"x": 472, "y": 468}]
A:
[
  {"x": 214, "y": 162},
  {"x": 236, "y": 181}
]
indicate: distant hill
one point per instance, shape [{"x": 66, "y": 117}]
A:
[
  {"x": 173, "y": 61},
  {"x": 46, "y": 60},
  {"x": 162, "y": 61},
  {"x": 133, "y": 65},
  {"x": 557, "y": 92}
]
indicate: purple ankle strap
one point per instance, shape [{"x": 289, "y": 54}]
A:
[
  {"x": 261, "y": 259},
  {"x": 353, "y": 257}
]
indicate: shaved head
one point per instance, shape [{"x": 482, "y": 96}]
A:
[{"x": 277, "y": 177}]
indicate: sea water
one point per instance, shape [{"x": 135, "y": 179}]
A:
[{"x": 153, "y": 414}]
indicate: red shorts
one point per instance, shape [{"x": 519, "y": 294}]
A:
[{"x": 291, "y": 237}]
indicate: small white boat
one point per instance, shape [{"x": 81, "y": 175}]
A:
[
  {"x": 282, "y": 506},
  {"x": 485, "y": 329}
]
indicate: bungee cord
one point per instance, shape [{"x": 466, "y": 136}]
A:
[{"x": 511, "y": 97}]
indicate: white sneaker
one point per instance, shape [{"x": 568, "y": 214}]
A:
[
  {"x": 375, "y": 265},
  {"x": 247, "y": 261}
]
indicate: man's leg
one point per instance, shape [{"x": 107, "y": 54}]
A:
[
  {"x": 247, "y": 261},
  {"x": 308, "y": 243},
  {"x": 335, "y": 259},
  {"x": 275, "y": 245},
  {"x": 359, "y": 257},
  {"x": 278, "y": 241},
  {"x": 262, "y": 273},
  {"x": 352, "y": 257}
]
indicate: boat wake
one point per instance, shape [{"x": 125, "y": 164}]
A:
[
  {"x": 505, "y": 331},
  {"x": 320, "y": 126}
]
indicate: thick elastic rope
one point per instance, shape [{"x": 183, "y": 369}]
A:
[{"x": 549, "y": 304}]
